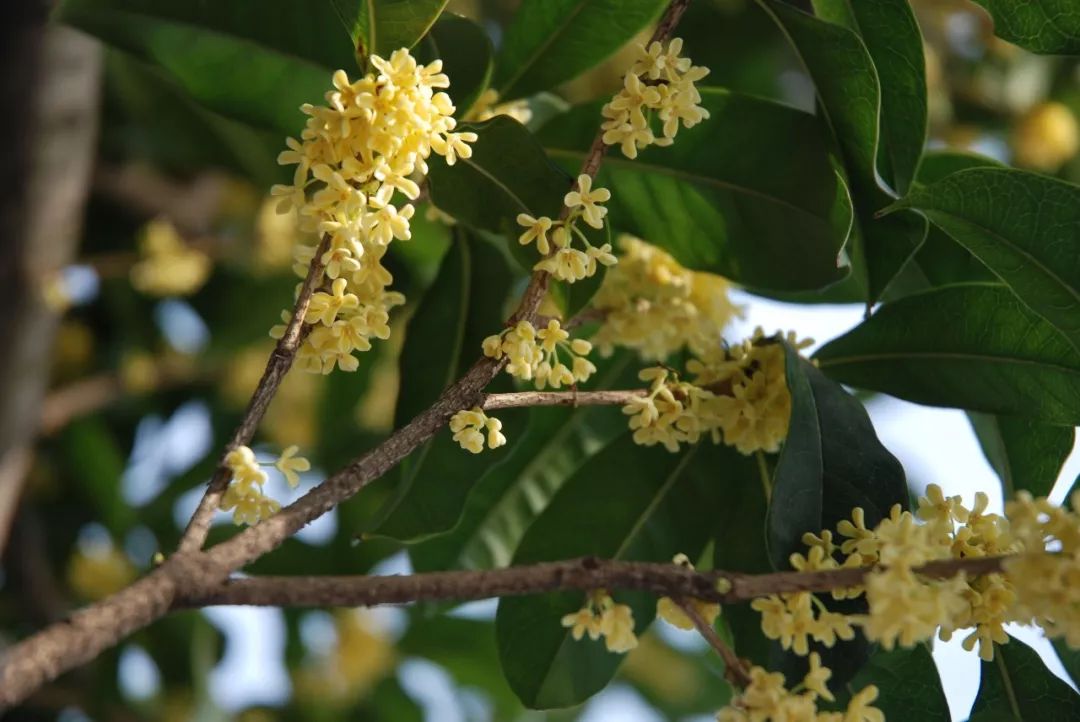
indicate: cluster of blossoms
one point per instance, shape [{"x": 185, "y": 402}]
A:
[
  {"x": 652, "y": 304},
  {"x": 767, "y": 698},
  {"x": 245, "y": 497},
  {"x": 906, "y": 607},
  {"x": 469, "y": 429},
  {"x": 353, "y": 156},
  {"x": 167, "y": 266},
  {"x": 602, "y": 617},
  {"x": 658, "y": 82},
  {"x": 533, "y": 355},
  {"x": 738, "y": 396},
  {"x": 554, "y": 239},
  {"x": 487, "y": 106}
]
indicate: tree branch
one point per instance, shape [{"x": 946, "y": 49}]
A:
[
  {"x": 735, "y": 670},
  {"x": 47, "y": 654},
  {"x": 559, "y": 398},
  {"x": 584, "y": 574},
  {"x": 277, "y": 366}
]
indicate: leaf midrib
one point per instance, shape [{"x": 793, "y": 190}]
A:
[
  {"x": 923, "y": 355},
  {"x": 523, "y": 68}
]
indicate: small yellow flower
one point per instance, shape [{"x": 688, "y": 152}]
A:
[
  {"x": 289, "y": 463},
  {"x": 817, "y": 677},
  {"x": 469, "y": 428},
  {"x": 536, "y": 229},
  {"x": 588, "y": 201}
]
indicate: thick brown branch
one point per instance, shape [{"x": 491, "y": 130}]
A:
[
  {"x": 559, "y": 398},
  {"x": 276, "y": 367}
]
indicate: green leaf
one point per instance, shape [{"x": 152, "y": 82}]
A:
[
  {"x": 891, "y": 36},
  {"x": 739, "y": 546},
  {"x": 508, "y": 497},
  {"x": 972, "y": 346},
  {"x": 847, "y": 84},
  {"x": 442, "y": 340},
  {"x": 1016, "y": 685},
  {"x": 382, "y": 26},
  {"x": 467, "y": 56},
  {"x": 1070, "y": 658},
  {"x": 507, "y": 174},
  {"x": 97, "y": 462},
  {"x": 258, "y": 72},
  {"x": 908, "y": 683},
  {"x": 713, "y": 199},
  {"x": 831, "y": 462},
  {"x": 552, "y": 41},
  {"x": 1041, "y": 26},
  {"x": 1027, "y": 455},
  {"x": 1023, "y": 226},
  {"x": 626, "y": 502}
]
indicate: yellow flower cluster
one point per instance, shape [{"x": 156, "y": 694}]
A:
[
  {"x": 1037, "y": 586},
  {"x": 363, "y": 656},
  {"x": 738, "y": 396},
  {"x": 167, "y": 266},
  {"x": 100, "y": 571},
  {"x": 767, "y": 699},
  {"x": 487, "y": 106},
  {"x": 653, "y": 305},
  {"x": 602, "y": 617},
  {"x": 554, "y": 239},
  {"x": 1047, "y": 585},
  {"x": 244, "y": 496},
  {"x": 470, "y": 426},
  {"x": 670, "y": 611},
  {"x": 658, "y": 82},
  {"x": 354, "y": 155},
  {"x": 534, "y": 355}
]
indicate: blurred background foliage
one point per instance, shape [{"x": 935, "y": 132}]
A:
[{"x": 146, "y": 384}]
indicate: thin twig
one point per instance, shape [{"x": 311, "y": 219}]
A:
[
  {"x": 276, "y": 367},
  {"x": 662, "y": 579},
  {"x": 735, "y": 670},
  {"x": 559, "y": 398}
]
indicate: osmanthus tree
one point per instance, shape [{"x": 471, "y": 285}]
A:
[{"x": 573, "y": 433}]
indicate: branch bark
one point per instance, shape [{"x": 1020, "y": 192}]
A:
[{"x": 517, "y": 399}]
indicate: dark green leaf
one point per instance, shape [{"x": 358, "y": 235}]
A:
[
  {"x": 1023, "y": 226},
  {"x": 259, "y": 72},
  {"x": 442, "y": 339},
  {"x": 552, "y": 41},
  {"x": 507, "y": 174},
  {"x": 1041, "y": 26},
  {"x": 508, "y": 497},
  {"x": 831, "y": 462},
  {"x": 891, "y": 35},
  {"x": 908, "y": 683},
  {"x": 847, "y": 84},
  {"x": 626, "y": 502},
  {"x": 1018, "y": 686},
  {"x": 466, "y": 52},
  {"x": 97, "y": 464},
  {"x": 381, "y": 27},
  {"x": 712, "y": 200},
  {"x": 1070, "y": 658},
  {"x": 972, "y": 346},
  {"x": 1027, "y": 455},
  {"x": 739, "y": 546}
]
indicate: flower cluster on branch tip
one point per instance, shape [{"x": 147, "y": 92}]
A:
[
  {"x": 533, "y": 355},
  {"x": 245, "y": 496},
  {"x": 554, "y": 238},
  {"x": 354, "y": 156},
  {"x": 653, "y": 305},
  {"x": 659, "y": 83},
  {"x": 737, "y": 396},
  {"x": 603, "y": 617},
  {"x": 1041, "y": 543}
]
